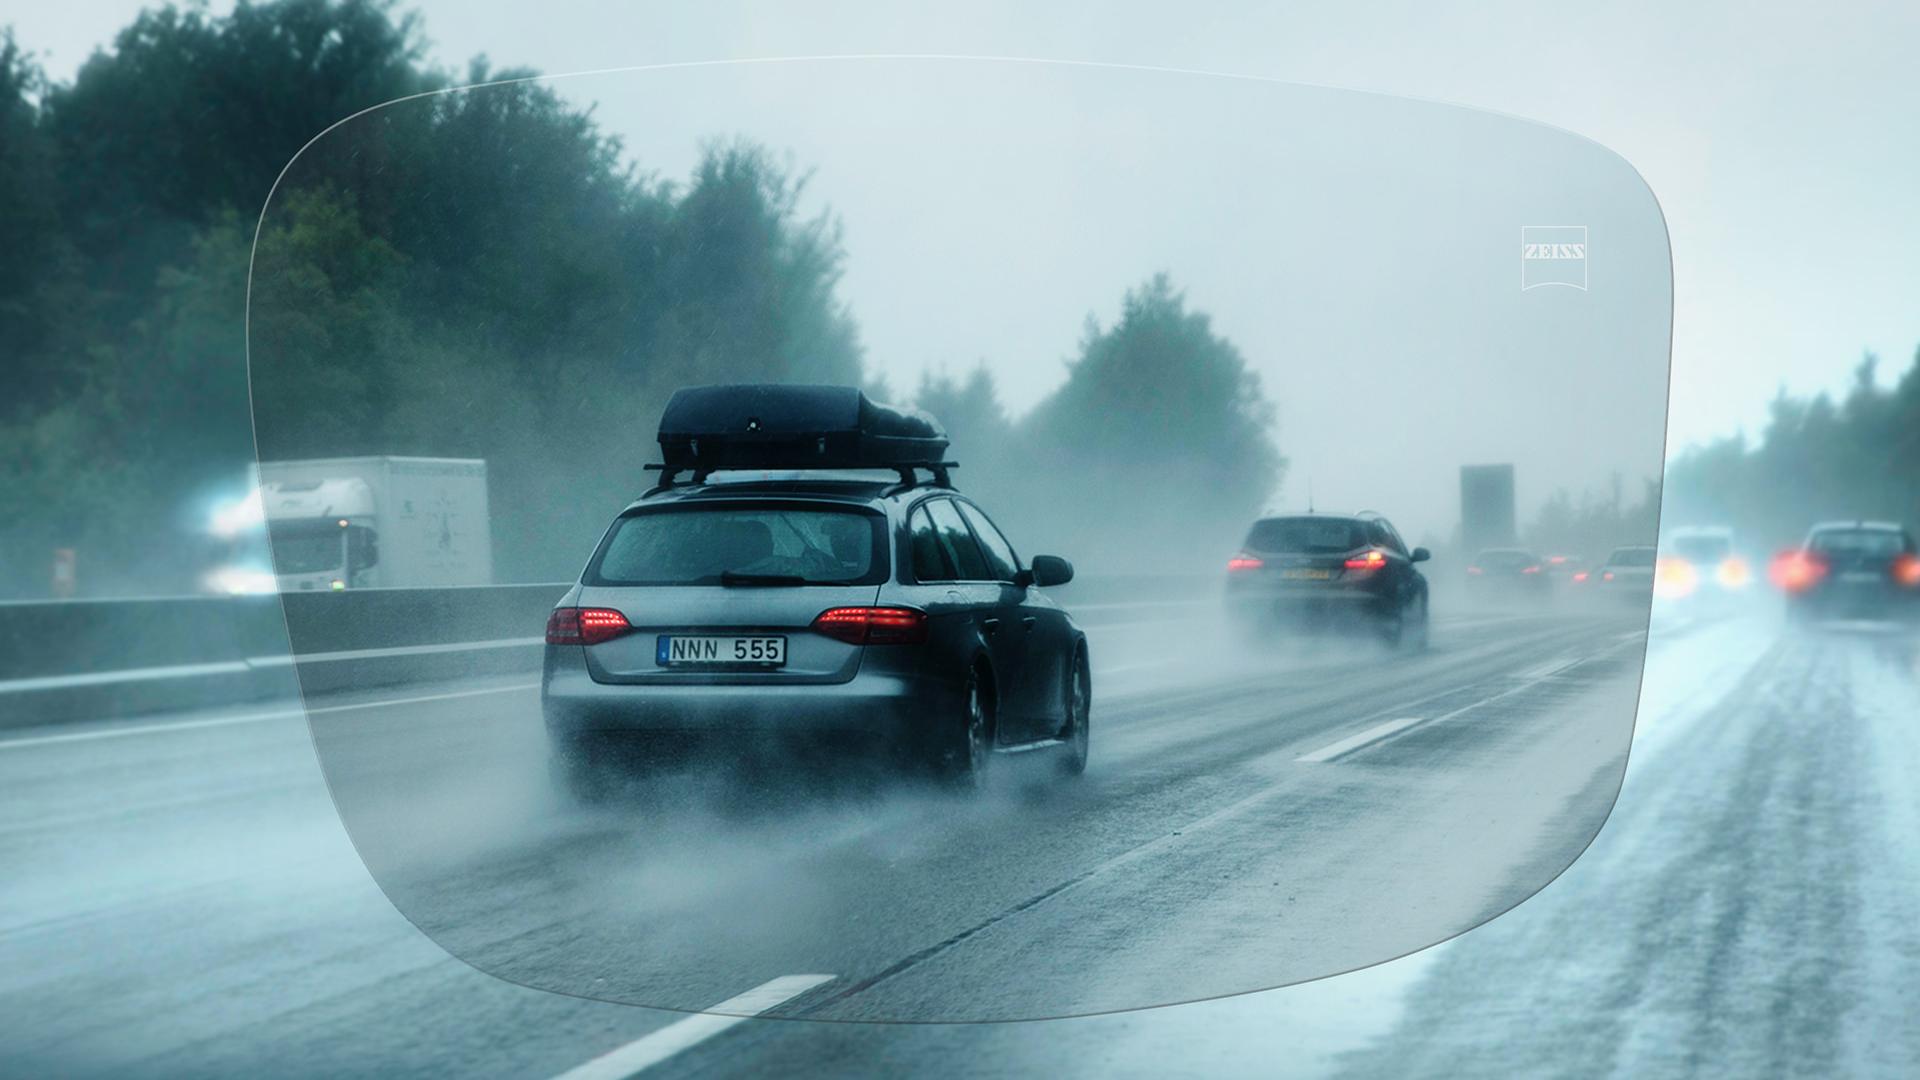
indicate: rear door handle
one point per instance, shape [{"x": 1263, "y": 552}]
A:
[
  {"x": 1029, "y": 621},
  {"x": 991, "y": 626}
]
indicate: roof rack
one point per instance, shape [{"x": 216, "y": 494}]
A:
[{"x": 908, "y": 471}]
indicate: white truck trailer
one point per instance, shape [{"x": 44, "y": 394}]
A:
[{"x": 369, "y": 522}]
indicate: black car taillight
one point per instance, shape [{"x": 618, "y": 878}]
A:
[
  {"x": 1370, "y": 560},
  {"x": 585, "y": 626},
  {"x": 873, "y": 625}
]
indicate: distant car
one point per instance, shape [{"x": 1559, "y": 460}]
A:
[
  {"x": 814, "y": 611},
  {"x": 1863, "y": 568},
  {"x": 1700, "y": 561},
  {"x": 1627, "y": 574},
  {"x": 1507, "y": 572},
  {"x": 1317, "y": 572}
]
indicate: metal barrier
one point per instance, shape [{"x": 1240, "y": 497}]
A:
[{"x": 77, "y": 660}]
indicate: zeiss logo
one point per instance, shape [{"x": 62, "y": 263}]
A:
[{"x": 1553, "y": 255}]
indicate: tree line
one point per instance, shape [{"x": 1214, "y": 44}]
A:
[
  {"x": 1818, "y": 458},
  {"x": 479, "y": 273}
]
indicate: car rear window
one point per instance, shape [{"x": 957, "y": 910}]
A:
[
  {"x": 695, "y": 545},
  {"x": 1872, "y": 542},
  {"x": 1307, "y": 535},
  {"x": 1637, "y": 556},
  {"x": 1506, "y": 559},
  {"x": 1702, "y": 548}
]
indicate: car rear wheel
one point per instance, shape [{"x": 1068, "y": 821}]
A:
[
  {"x": 1077, "y": 737},
  {"x": 969, "y": 754}
]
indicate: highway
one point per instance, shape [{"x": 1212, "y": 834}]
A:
[{"x": 182, "y": 898}]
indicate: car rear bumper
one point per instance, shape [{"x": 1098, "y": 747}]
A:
[
  {"x": 875, "y": 707},
  {"x": 1307, "y": 605}
]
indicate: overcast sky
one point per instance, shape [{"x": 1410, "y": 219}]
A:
[{"x": 1779, "y": 144}]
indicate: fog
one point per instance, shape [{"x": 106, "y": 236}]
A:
[{"x": 1361, "y": 253}]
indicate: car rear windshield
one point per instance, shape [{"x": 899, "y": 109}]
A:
[
  {"x": 747, "y": 544},
  {"x": 1635, "y": 556},
  {"x": 1704, "y": 549},
  {"x": 1870, "y": 542},
  {"x": 1506, "y": 559},
  {"x": 1307, "y": 535}
]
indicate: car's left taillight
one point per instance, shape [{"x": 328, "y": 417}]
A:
[
  {"x": 585, "y": 625},
  {"x": 873, "y": 625}
]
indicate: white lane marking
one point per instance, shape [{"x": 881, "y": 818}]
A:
[
  {"x": 1366, "y": 738},
  {"x": 247, "y": 718},
  {"x": 1143, "y": 666},
  {"x": 1550, "y": 668},
  {"x": 650, "y": 1050}
]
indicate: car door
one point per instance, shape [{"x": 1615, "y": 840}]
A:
[
  {"x": 975, "y": 596},
  {"x": 1042, "y": 631}
]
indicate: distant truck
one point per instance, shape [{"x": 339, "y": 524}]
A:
[
  {"x": 1486, "y": 507},
  {"x": 367, "y": 522}
]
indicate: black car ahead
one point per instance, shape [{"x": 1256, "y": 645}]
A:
[
  {"x": 1508, "y": 573},
  {"x": 763, "y": 614},
  {"x": 1851, "y": 568},
  {"x": 1329, "y": 572}
]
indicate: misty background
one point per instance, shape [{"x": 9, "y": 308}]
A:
[{"x": 670, "y": 227}]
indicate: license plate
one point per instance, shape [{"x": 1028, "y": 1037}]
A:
[
  {"x": 717, "y": 650},
  {"x": 1860, "y": 577},
  {"x": 1306, "y": 575}
]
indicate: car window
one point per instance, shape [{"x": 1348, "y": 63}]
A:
[
  {"x": 1506, "y": 559},
  {"x": 1859, "y": 542},
  {"x": 1393, "y": 537},
  {"x": 1634, "y": 556},
  {"x": 929, "y": 563},
  {"x": 1000, "y": 557},
  {"x": 957, "y": 543},
  {"x": 1306, "y": 535},
  {"x": 696, "y": 545}
]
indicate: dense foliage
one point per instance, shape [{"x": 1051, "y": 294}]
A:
[
  {"x": 1817, "y": 459},
  {"x": 478, "y": 273}
]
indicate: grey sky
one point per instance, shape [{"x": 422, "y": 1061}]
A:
[{"x": 1776, "y": 141}]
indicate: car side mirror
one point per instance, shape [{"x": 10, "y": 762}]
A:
[
  {"x": 1420, "y": 555},
  {"x": 1050, "y": 570}
]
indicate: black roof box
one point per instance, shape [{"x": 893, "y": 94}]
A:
[{"x": 778, "y": 426}]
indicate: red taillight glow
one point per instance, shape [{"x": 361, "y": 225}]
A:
[
  {"x": 1906, "y": 570},
  {"x": 1674, "y": 578},
  {"x": 1797, "y": 571},
  {"x": 1474, "y": 571},
  {"x": 1244, "y": 562},
  {"x": 1733, "y": 573},
  {"x": 873, "y": 625},
  {"x": 1530, "y": 570},
  {"x": 1608, "y": 576},
  {"x": 1372, "y": 560},
  {"x": 1579, "y": 576},
  {"x": 585, "y": 626}
]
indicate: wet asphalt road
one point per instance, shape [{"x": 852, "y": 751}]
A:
[{"x": 192, "y": 906}]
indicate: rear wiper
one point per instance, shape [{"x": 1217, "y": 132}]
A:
[{"x": 730, "y": 578}]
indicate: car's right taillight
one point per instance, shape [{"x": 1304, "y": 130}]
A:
[
  {"x": 1244, "y": 561},
  {"x": 1906, "y": 570},
  {"x": 1366, "y": 561},
  {"x": 1797, "y": 570},
  {"x": 873, "y": 625},
  {"x": 585, "y": 626}
]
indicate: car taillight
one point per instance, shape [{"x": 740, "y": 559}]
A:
[
  {"x": 1372, "y": 560},
  {"x": 1733, "y": 573},
  {"x": 585, "y": 626},
  {"x": 1674, "y": 578},
  {"x": 1530, "y": 570},
  {"x": 1474, "y": 571},
  {"x": 873, "y": 625},
  {"x": 1906, "y": 570},
  {"x": 1579, "y": 576},
  {"x": 1608, "y": 576},
  {"x": 1243, "y": 561},
  {"x": 1797, "y": 571}
]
